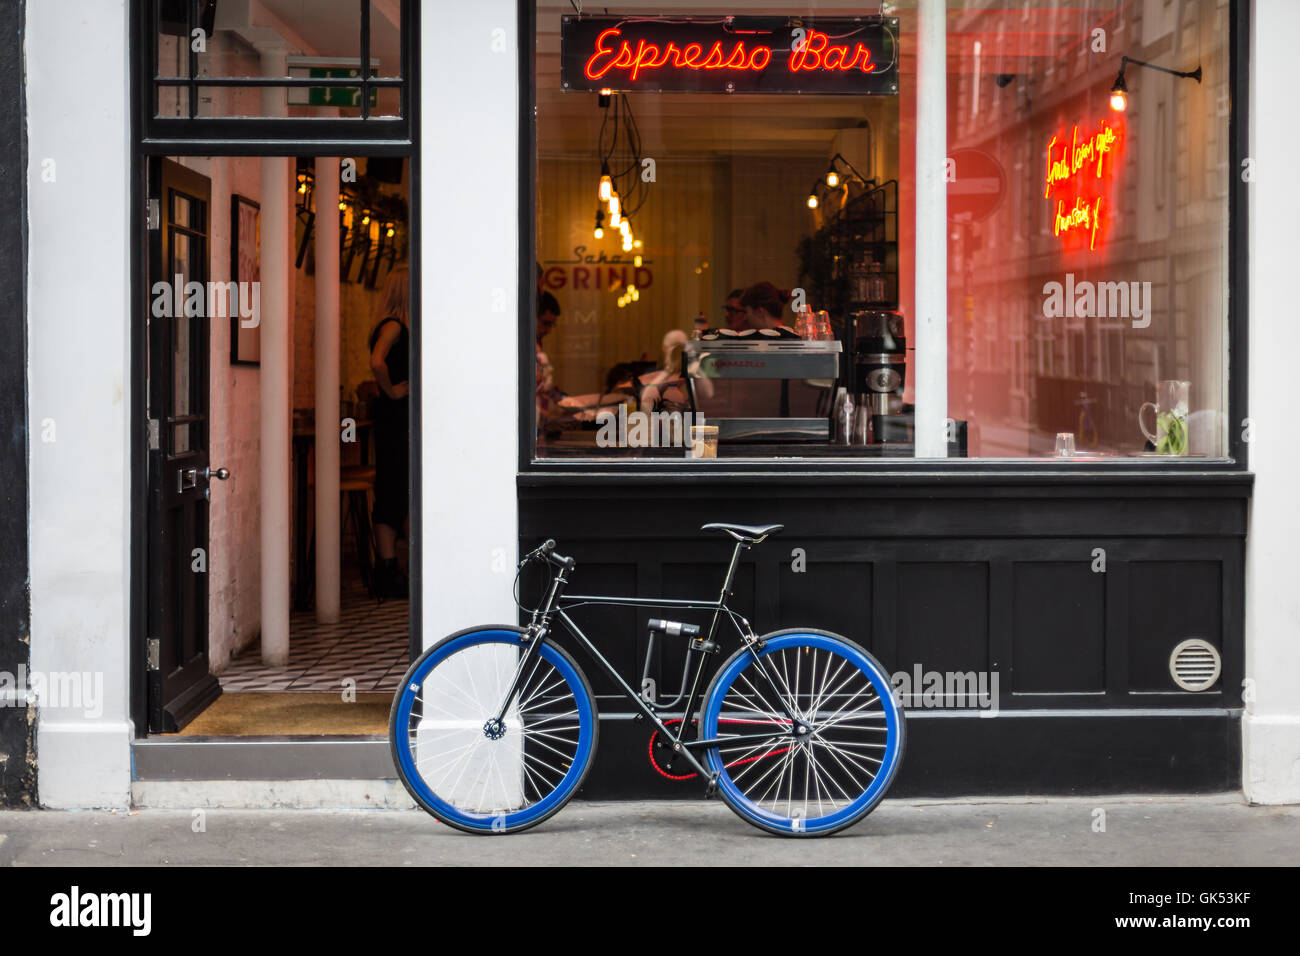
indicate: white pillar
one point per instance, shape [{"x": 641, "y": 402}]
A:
[
  {"x": 1271, "y": 724},
  {"x": 277, "y": 386},
  {"x": 327, "y": 390},
  {"x": 80, "y": 385},
  {"x": 470, "y": 527},
  {"x": 931, "y": 365}
]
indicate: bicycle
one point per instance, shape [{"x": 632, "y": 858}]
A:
[{"x": 494, "y": 728}]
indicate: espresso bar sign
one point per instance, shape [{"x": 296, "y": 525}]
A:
[{"x": 857, "y": 55}]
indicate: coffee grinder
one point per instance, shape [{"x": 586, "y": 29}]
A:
[{"x": 879, "y": 368}]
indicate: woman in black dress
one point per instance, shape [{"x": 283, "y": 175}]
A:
[{"x": 390, "y": 364}]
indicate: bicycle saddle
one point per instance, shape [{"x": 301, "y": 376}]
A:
[{"x": 750, "y": 533}]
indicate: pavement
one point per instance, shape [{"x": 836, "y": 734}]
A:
[{"x": 1198, "y": 831}]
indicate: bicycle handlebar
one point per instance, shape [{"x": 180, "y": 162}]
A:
[{"x": 547, "y": 550}]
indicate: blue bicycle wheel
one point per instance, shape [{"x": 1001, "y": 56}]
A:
[
  {"x": 472, "y": 771},
  {"x": 810, "y": 739}
]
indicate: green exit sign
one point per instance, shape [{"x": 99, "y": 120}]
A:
[{"x": 343, "y": 96}]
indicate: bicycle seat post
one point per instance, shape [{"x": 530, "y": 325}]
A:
[{"x": 726, "y": 584}]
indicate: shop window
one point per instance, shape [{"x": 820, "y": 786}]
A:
[{"x": 1087, "y": 244}]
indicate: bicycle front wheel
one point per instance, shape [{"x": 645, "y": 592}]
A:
[
  {"x": 472, "y": 771},
  {"x": 810, "y": 740}
]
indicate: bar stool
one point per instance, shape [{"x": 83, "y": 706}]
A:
[{"x": 356, "y": 485}]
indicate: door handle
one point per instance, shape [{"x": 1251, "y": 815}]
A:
[{"x": 221, "y": 474}]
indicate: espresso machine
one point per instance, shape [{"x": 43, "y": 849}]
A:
[{"x": 879, "y": 370}]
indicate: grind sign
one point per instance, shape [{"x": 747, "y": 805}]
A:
[{"x": 857, "y": 55}]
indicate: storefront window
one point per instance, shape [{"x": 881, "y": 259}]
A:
[{"x": 767, "y": 282}]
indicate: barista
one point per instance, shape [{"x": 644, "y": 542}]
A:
[{"x": 764, "y": 306}]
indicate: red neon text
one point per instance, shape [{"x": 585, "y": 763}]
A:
[
  {"x": 1082, "y": 217},
  {"x": 1076, "y": 155},
  {"x": 817, "y": 53},
  {"x": 649, "y": 56},
  {"x": 1074, "y": 160}
]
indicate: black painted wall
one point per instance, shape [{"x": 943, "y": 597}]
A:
[
  {"x": 972, "y": 573},
  {"x": 17, "y": 724}
]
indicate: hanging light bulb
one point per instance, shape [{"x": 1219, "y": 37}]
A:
[
  {"x": 625, "y": 227},
  {"x": 1119, "y": 92},
  {"x": 614, "y": 220},
  {"x": 832, "y": 177},
  {"x": 600, "y": 228},
  {"x": 365, "y": 218},
  {"x": 637, "y": 243},
  {"x": 615, "y": 205},
  {"x": 636, "y": 295},
  {"x": 606, "y": 184},
  {"x": 391, "y": 232},
  {"x": 812, "y": 200},
  {"x": 630, "y": 288},
  {"x": 637, "y": 261}
]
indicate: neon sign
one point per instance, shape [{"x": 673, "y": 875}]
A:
[
  {"x": 1088, "y": 164},
  {"x": 732, "y": 54}
]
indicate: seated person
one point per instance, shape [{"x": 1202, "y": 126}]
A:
[
  {"x": 661, "y": 389},
  {"x": 664, "y": 389}
]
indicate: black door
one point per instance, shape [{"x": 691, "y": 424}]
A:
[{"x": 180, "y": 685}]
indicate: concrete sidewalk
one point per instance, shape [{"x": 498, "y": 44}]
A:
[{"x": 1141, "y": 831}]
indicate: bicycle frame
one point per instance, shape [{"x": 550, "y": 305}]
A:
[{"x": 558, "y": 604}]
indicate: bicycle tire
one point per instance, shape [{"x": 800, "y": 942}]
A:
[
  {"x": 828, "y": 755},
  {"x": 404, "y": 737}
]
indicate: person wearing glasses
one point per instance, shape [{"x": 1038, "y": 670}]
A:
[{"x": 735, "y": 312}]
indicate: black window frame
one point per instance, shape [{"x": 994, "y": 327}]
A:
[
  {"x": 375, "y": 135},
  {"x": 532, "y": 469}
]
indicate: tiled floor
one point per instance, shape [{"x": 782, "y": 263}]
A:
[{"x": 369, "y": 644}]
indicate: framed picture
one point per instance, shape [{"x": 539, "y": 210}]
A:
[{"x": 245, "y": 266}]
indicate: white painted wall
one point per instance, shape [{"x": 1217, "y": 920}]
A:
[
  {"x": 1271, "y": 727},
  {"x": 78, "y": 370},
  {"x": 469, "y": 281}
]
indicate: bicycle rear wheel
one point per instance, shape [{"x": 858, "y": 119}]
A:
[
  {"x": 818, "y": 782},
  {"x": 472, "y": 773}
]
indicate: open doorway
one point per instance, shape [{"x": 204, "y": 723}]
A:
[{"x": 345, "y": 293}]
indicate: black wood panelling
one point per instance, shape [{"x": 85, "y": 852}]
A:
[
  {"x": 1170, "y": 601},
  {"x": 954, "y": 576},
  {"x": 942, "y": 617},
  {"x": 1059, "y": 623},
  {"x": 833, "y": 595}
]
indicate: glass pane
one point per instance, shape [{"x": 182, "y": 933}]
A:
[
  {"x": 1087, "y": 248},
  {"x": 275, "y": 38},
  {"x": 385, "y": 39},
  {"x": 325, "y": 31},
  {"x": 180, "y": 209},
  {"x": 716, "y": 185}
]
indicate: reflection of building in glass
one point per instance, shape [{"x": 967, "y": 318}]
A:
[{"x": 1032, "y": 90}]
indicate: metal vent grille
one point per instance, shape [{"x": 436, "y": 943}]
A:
[{"x": 1195, "y": 664}]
